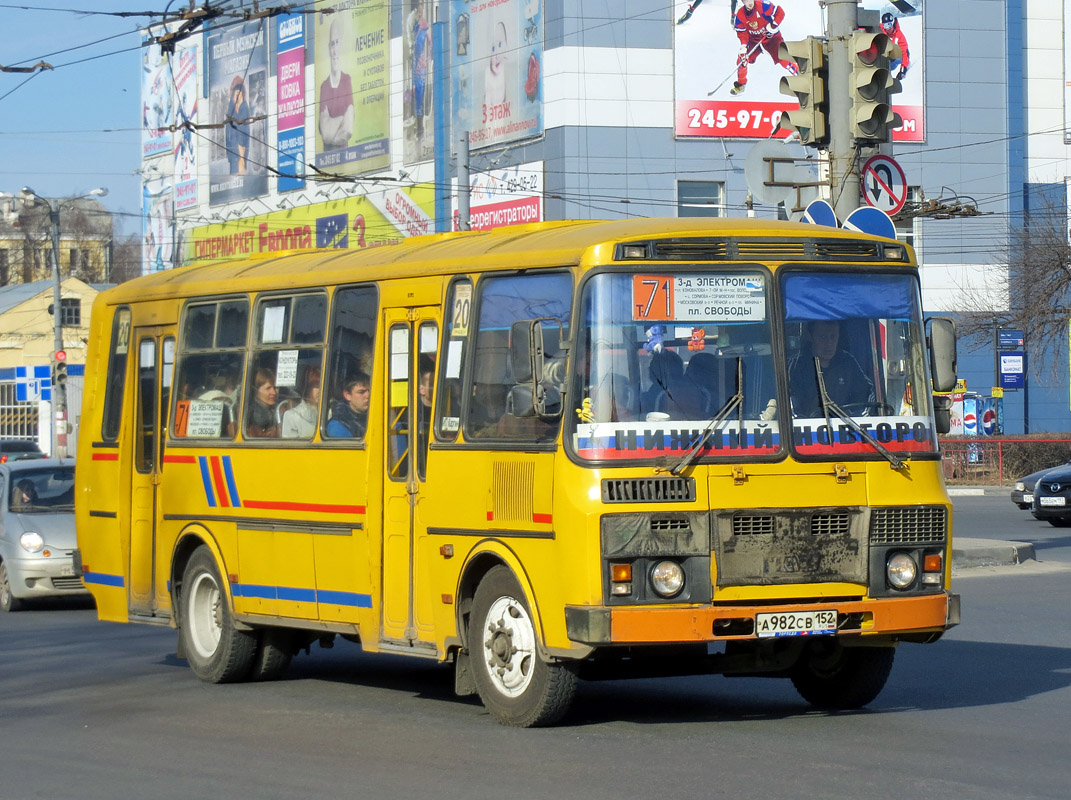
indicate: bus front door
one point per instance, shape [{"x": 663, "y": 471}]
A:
[
  {"x": 155, "y": 349},
  {"x": 412, "y": 340}
]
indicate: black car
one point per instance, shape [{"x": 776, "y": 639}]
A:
[
  {"x": 18, "y": 449},
  {"x": 1023, "y": 492},
  {"x": 1052, "y": 497}
]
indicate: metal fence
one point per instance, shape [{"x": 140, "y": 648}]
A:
[
  {"x": 1000, "y": 461},
  {"x": 27, "y": 420}
]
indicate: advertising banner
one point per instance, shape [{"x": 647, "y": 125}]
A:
[
  {"x": 290, "y": 94},
  {"x": 507, "y": 196},
  {"x": 497, "y": 69},
  {"x": 727, "y": 72},
  {"x": 353, "y": 223},
  {"x": 418, "y": 122},
  {"x": 157, "y": 113},
  {"x": 353, "y": 87},
  {"x": 184, "y": 142},
  {"x": 238, "y": 103},
  {"x": 157, "y": 219}
]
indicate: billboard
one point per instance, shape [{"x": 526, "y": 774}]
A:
[
  {"x": 352, "y": 223},
  {"x": 418, "y": 122},
  {"x": 238, "y": 103},
  {"x": 497, "y": 70},
  {"x": 727, "y": 72},
  {"x": 352, "y": 86},
  {"x": 184, "y": 142},
  {"x": 290, "y": 105},
  {"x": 158, "y": 223},
  {"x": 157, "y": 113},
  {"x": 505, "y": 196}
]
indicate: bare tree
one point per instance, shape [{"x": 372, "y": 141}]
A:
[
  {"x": 126, "y": 258},
  {"x": 86, "y": 232},
  {"x": 1029, "y": 290}
]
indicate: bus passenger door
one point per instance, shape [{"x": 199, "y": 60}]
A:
[
  {"x": 412, "y": 339},
  {"x": 155, "y": 350}
]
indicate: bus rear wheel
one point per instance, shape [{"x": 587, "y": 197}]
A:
[
  {"x": 829, "y": 675},
  {"x": 275, "y": 648},
  {"x": 516, "y": 686},
  {"x": 216, "y": 650}
]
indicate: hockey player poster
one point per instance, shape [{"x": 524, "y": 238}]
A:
[{"x": 727, "y": 73}]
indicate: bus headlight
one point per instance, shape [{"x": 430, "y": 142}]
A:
[
  {"x": 667, "y": 578},
  {"x": 901, "y": 570},
  {"x": 32, "y": 542}
]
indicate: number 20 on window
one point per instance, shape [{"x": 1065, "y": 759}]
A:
[{"x": 652, "y": 297}]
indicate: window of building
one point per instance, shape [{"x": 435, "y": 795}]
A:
[
  {"x": 700, "y": 199},
  {"x": 71, "y": 312},
  {"x": 5, "y": 268},
  {"x": 906, "y": 229},
  {"x": 79, "y": 261}
]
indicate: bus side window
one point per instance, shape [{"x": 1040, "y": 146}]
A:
[
  {"x": 113, "y": 394},
  {"x": 455, "y": 351},
  {"x": 347, "y": 378}
]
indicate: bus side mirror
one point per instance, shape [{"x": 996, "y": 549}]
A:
[
  {"x": 532, "y": 396},
  {"x": 526, "y": 349},
  {"x": 941, "y": 334},
  {"x": 942, "y": 412}
]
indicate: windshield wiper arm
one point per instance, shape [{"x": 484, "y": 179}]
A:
[
  {"x": 828, "y": 405},
  {"x": 736, "y": 401}
]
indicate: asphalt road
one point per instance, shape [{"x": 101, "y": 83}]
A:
[{"x": 101, "y": 710}]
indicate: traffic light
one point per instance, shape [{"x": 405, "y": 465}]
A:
[
  {"x": 872, "y": 84},
  {"x": 59, "y": 368},
  {"x": 809, "y": 88}
]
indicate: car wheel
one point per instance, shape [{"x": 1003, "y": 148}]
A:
[
  {"x": 514, "y": 683},
  {"x": 216, "y": 650},
  {"x": 829, "y": 675},
  {"x": 8, "y": 601},
  {"x": 1060, "y": 522}
]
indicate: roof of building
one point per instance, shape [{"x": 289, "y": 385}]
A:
[{"x": 15, "y": 294}]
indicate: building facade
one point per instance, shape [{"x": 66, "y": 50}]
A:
[{"x": 342, "y": 130}]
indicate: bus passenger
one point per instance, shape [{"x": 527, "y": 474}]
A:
[
  {"x": 349, "y": 416},
  {"x": 262, "y": 420},
  {"x": 299, "y": 422}
]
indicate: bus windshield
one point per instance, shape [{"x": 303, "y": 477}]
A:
[
  {"x": 856, "y": 354},
  {"x": 674, "y": 362}
]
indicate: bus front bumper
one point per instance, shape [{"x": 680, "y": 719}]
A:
[{"x": 622, "y": 625}]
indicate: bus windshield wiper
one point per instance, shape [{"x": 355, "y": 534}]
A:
[
  {"x": 828, "y": 405},
  {"x": 736, "y": 401}
]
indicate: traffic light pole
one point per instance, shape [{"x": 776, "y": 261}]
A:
[
  {"x": 59, "y": 389},
  {"x": 842, "y": 17}
]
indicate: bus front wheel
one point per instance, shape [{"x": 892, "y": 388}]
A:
[
  {"x": 829, "y": 675},
  {"x": 516, "y": 686},
  {"x": 216, "y": 650}
]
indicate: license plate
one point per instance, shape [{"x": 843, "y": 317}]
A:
[
  {"x": 67, "y": 571},
  {"x": 799, "y": 623},
  {"x": 1028, "y": 498},
  {"x": 1052, "y": 501}
]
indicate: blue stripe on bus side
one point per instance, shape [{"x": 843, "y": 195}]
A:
[
  {"x": 102, "y": 579},
  {"x": 210, "y": 495},
  {"x": 232, "y": 487},
  {"x": 301, "y": 595}
]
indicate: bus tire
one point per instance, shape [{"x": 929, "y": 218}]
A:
[
  {"x": 831, "y": 676},
  {"x": 8, "y": 601},
  {"x": 275, "y": 648},
  {"x": 217, "y": 652},
  {"x": 516, "y": 686}
]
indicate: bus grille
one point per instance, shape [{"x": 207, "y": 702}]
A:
[
  {"x": 753, "y": 524},
  {"x": 908, "y": 525},
  {"x": 830, "y": 524},
  {"x": 712, "y": 249},
  {"x": 648, "y": 490}
]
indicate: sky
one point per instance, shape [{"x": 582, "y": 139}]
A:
[{"x": 66, "y": 131}]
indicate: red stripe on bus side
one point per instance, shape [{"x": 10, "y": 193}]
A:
[
  {"x": 105, "y": 456},
  {"x": 545, "y": 519},
  {"x": 180, "y": 459},
  {"x": 325, "y": 508},
  {"x": 490, "y": 516},
  {"x": 217, "y": 479}
]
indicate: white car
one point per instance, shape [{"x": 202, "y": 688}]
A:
[{"x": 37, "y": 538}]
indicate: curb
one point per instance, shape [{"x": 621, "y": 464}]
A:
[
  {"x": 964, "y": 492},
  {"x": 967, "y": 552}
]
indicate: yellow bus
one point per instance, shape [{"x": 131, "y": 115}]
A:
[{"x": 561, "y": 451}]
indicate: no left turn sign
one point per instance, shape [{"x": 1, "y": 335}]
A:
[{"x": 884, "y": 184}]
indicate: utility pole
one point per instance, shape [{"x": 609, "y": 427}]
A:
[
  {"x": 463, "y": 183},
  {"x": 842, "y": 16}
]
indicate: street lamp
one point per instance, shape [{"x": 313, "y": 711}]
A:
[{"x": 59, "y": 389}]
